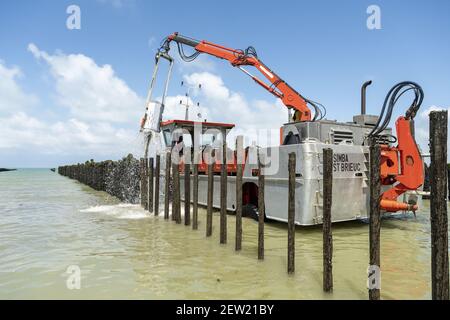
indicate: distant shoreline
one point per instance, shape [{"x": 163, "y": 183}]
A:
[{"x": 6, "y": 170}]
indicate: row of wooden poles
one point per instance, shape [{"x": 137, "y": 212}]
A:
[
  {"x": 439, "y": 225},
  {"x": 118, "y": 178},
  {"x": 90, "y": 173}
]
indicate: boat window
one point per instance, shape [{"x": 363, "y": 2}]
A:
[
  {"x": 187, "y": 140},
  {"x": 167, "y": 137},
  {"x": 291, "y": 138}
]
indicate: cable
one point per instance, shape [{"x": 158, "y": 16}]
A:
[
  {"x": 319, "y": 110},
  {"x": 251, "y": 52},
  {"x": 185, "y": 57},
  {"x": 391, "y": 100}
]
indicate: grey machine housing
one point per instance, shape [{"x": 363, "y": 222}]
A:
[{"x": 308, "y": 139}]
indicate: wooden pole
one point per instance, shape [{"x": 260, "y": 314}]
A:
[
  {"x": 223, "y": 194},
  {"x": 374, "y": 221},
  {"x": 167, "y": 186},
  {"x": 187, "y": 194},
  {"x": 261, "y": 210},
  {"x": 174, "y": 205},
  {"x": 209, "y": 211},
  {"x": 176, "y": 202},
  {"x": 240, "y": 163},
  {"x": 145, "y": 184},
  {"x": 150, "y": 183},
  {"x": 195, "y": 194},
  {"x": 438, "y": 206},
  {"x": 157, "y": 178},
  {"x": 141, "y": 171},
  {"x": 291, "y": 213},
  {"x": 326, "y": 223}
]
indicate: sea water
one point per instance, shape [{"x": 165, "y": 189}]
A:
[{"x": 51, "y": 225}]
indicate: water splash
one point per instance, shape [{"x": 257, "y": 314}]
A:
[{"x": 120, "y": 211}]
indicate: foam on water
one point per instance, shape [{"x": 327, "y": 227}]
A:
[
  {"x": 120, "y": 211},
  {"x": 129, "y": 211}
]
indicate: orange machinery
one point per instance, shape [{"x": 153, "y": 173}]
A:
[{"x": 401, "y": 166}]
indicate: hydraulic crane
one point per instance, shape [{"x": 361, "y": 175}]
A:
[
  {"x": 401, "y": 166},
  {"x": 239, "y": 58}
]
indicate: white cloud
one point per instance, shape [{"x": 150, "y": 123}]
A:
[
  {"x": 224, "y": 105},
  {"x": 12, "y": 97},
  {"x": 91, "y": 92},
  {"x": 422, "y": 126},
  {"x": 426, "y": 113},
  {"x": 21, "y": 131},
  {"x": 202, "y": 62},
  {"x": 101, "y": 112},
  {"x": 104, "y": 112},
  {"x": 220, "y": 104},
  {"x": 175, "y": 110}
]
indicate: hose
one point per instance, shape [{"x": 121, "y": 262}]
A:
[{"x": 390, "y": 101}]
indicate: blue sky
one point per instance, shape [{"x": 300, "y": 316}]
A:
[{"x": 322, "y": 48}]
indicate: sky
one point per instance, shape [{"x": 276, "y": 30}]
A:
[{"x": 68, "y": 95}]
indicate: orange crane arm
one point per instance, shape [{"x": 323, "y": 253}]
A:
[
  {"x": 238, "y": 58},
  {"x": 402, "y": 166}
]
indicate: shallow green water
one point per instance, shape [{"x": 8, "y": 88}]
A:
[{"x": 48, "y": 223}]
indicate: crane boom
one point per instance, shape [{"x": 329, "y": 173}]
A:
[
  {"x": 401, "y": 166},
  {"x": 239, "y": 58}
]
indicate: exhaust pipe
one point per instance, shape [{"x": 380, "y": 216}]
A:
[{"x": 363, "y": 96}]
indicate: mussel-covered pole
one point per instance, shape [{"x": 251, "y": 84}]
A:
[
  {"x": 187, "y": 194},
  {"x": 326, "y": 223},
  {"x": 223, "y": 194},
  {"x": 145, "y": 184},
  {"x": 195, "y": 193},
  {"x": 141, "y": 173},
  {"x": 239, "y": 167},
  {"x": 176, "y": 202},
  {"x": 438, "y": 212},
  {"x": 157, "y": 181},
  {"x": 374, "y": 272},
  {"x": 261, "y": 209},
  {"x": 209, "y": 210},
  {"x": 167, "y": 185},
  {"x": 291, "y": 213},
  {"x": 150, "y": 183}
]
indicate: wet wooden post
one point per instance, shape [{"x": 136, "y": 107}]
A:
[
  {"x": 141, "y": 171},
  {"x": 150, "y": 183},
  {"x": 195, "y": 193},
  {"x": 176, "y": 202},
  {"x": 239, "y": 163},
  {"x": 374, "y": 221},
  {"x": 223, "y": 193},
  {"x": 438, "y": 206},
  {"x": 167, "y": 186},
  {"x": 291, "y": 213},
  {"x": 326, "y": 220},
  {"x": 187, "y": 194},
  {"x": 209, "y": 212},
  {"x": 145, "y": 184},
  {"x": 157, "y": 177},
  {"x": 261, "y": 209},
  {"x": 174, "y": 205}
]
